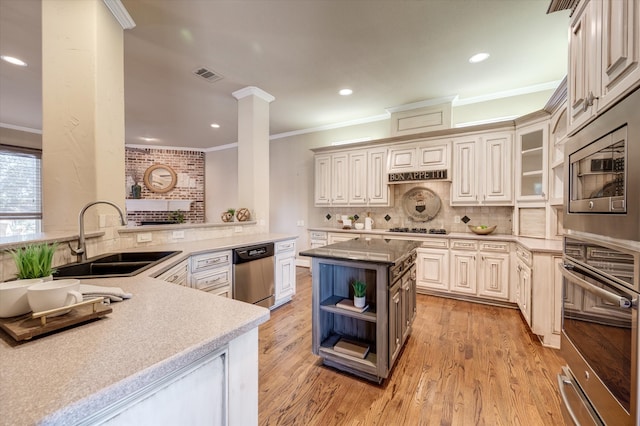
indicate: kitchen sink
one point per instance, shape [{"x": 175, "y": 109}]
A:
[{"x": 125, "y": 264}]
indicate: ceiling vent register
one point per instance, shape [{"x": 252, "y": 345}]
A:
[{"x": 207, "y": 74}]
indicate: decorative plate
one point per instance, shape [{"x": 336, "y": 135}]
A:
[{"x": 421, "y": 204}]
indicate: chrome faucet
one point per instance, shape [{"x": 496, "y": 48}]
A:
[{"x": 81, "y": 251}]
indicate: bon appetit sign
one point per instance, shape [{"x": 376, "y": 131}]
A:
[{"x": 417, "y": 176}]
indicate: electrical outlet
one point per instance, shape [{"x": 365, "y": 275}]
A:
[
  {"x": 145, "y": 237},
  {"x": 176, "y": 235},
  {"x": 237, "y": 229},
  {"x": 456, "y": 219},
  {"x": 300, "y": 223}
]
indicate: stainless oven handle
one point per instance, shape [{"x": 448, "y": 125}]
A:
[
  {"x": 622, "y": 302},
  {"x": 562, "y": 382}
]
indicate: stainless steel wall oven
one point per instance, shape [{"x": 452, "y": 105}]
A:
[
  {"x": 600, "y": 332},
  {"x": 603, "y": 174}
]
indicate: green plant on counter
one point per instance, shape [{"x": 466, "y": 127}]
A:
[
  {"x": 177, "y": 216},
  {"x": 231, "y": 211},
  {"x": 34, "y": 260},
  {"x": 359, "y": 288}
]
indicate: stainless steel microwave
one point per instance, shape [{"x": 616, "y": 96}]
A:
[{"x": 602, "y": 174}]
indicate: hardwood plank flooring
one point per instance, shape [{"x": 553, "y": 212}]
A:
[{"x": 464, "y": 364}]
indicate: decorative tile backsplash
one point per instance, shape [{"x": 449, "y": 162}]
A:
[
  {"x": 189, "y": 167},
  {"x": 395, "y": 216}
]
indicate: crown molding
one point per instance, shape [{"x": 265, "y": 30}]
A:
[
  {"x": 507, "y": 93},
  {"x": 557, "y": 99},
  {"x": 253, "y": 91},
  {"x": 21, "y": 128},
  {"x": 120, "y": 13}
]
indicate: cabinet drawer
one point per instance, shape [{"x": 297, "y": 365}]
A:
[
  {"x": 285, "y": 246},
  {"x": 205, "y": 261},
  {"x": 176, "y": 274},
  {"x": 498, "y": 246},
  {"x": 436, "y": 243},
  {"x": 318, "y": 235},
  {"x": 212, "y": 280},
  {"x": 523, "y": 254},
  {"x": 464, "y": 245}
]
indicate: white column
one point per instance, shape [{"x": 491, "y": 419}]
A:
[
  {"x": 253, "y": 152},
  {"x": 82, "y": 110}
]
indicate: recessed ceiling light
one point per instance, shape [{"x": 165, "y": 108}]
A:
[
  {"x": 215, "y": 125},
  {"x": 478, "y": 57},
  {"x": 345, "y": 92},
  {"x": 14, "y": 61},
  {"x": 146, "y": 139}
]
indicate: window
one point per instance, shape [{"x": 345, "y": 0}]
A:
[{"x": 20, "y": 191}]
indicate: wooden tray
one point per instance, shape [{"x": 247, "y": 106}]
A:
[{"x": 34, "y": 324}]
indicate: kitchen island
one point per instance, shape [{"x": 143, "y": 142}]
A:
[{"x": 365, "y": 343}]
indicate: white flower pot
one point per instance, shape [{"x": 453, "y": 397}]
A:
[{"x": 358, "y": 302}]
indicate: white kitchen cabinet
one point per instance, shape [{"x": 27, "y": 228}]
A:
[
  {"x": 211, "y": 272},
  {"x": 177, "y": 274},
  {"x": 427, "y": 155},
  {"x": 220, "y": 388},
  {"x": 352, "y": 178},
  {"x": 331, "y": 179},
  {"x": 337, "y": 237},
  {"x": 432, "y": 269},
  {"x": 339, "y": 179},
  {"x": 323, "y": 180},
  {"x": 367, "y": 177},
  {"x": 604, "y": 55},
  {"x": 285, "y": 273},
  {"x": 493, "y": 270},
  {"x": 532, "y": 161},
  {"x": 463, "y": 266},
  {"x": 482, "y": 170},
  {"x": 523, "y": 290},
  {"x": 378, "y": 192}
]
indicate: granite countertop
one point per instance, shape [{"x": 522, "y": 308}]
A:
[
  {"x": 532, "y": 244},
  {"x": 62, "y": 377},
  {"x": 374, "y": 250}
]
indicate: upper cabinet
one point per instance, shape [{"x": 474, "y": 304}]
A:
[
  {"x": 352, "y": 178},
  {"x": 420, "y": 156},
  {"x": 482, "y": 169},
  {"x": 531, "y": 162},
  {"x": 604, "y": 55}
]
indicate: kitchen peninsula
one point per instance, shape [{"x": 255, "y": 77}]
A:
[
  {"x": 377, "y": 334},
  {"x": 168, "y": 351}
]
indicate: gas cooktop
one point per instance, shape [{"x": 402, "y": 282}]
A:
[{"x": 420, "y": 230}]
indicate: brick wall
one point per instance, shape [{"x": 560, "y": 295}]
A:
[{"x": 189, "y": 167}]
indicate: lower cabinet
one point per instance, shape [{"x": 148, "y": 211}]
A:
[
  {"x": 538, "y": 293},
  {"x": 211, "y": 272},
  {"x": 285, "y": 270},
  {"x": 523, "y": 290},
  {"x": 477, "y": 269},
  {"x": 220, "y": 388},
  {"x": 177, "y": 274}
]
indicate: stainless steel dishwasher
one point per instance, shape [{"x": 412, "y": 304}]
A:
[{"x": 253, "y": 269}]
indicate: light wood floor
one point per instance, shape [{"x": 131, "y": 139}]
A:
[{"x": 464, "y": 364}]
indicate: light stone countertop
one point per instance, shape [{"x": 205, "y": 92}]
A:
[
  {"x": 63, "y": 377},
  {"x": 537, "y": 245}
]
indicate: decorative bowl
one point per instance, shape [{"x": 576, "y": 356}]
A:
[
  {"x": 359, "y": 226},
  {"x": 482, "y": 229}
]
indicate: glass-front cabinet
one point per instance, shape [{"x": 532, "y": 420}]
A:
[{"x": 531, "y": 165}]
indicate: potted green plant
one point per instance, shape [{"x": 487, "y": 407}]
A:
[
  {"x": 34, "y": 260},
  {"x": 176, "y": 216},
  {"x": 359, "y": 292}
]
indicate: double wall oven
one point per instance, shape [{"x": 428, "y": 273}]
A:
[{"x": 601, "y": 270}]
